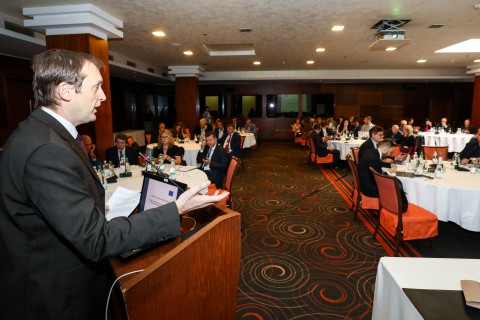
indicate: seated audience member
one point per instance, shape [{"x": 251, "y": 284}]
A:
[
  {"x": 179, "y": 131},
  {"x": 374, "y": 158},
  {"x": 89, "y": 148},
  {"x": 236, "y": 124},
  {"x": 325, "y": 132},
  {"x": 339, "y": 126},
  {"x": 467, "y": 127},
  {"x": 410, "y": 121},
  {"x": 202, "y": 127},
  {"x": 376, "y": 135},
  {"x": 355, "y": 127},
  {"x": 250, "y": 127},
  {"x": 213, "y": 159},
  {"x": 403, "y": 123},
  {"x": 167, "y": 148},
  {"x": 409, "y": 139},
  {"x": 395, "y": 134},
  {"x": 331, "y": 123},
  {"x": 426, "y": 126},
  {"x": 321, "y": 147},
  {"x": 220, "y": 132},
  {"x": 156, "y": 133},
  {"x": 344, "y": 128},
  {"x": 367, "y": 124},
  {"x": 297, "y": 128},
  {"x": 232, "y": 142},
  {"x": 120, "y": 150},
  {"x": 443, "y": 125},
  {"x": 309, "y": 125},
  {"x": 471, "y": 150}
]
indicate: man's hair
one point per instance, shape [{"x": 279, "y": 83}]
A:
[
  {"x": 55, "y": 66},
  {"x": 229, "y": 125},
  {"x": 374, "y": 130},
  {"x": 317, "y": 126},
  {"x": 389, "y": 143},
  {"x": 369, "y": 118},
  {"x": 121, "y": 136},
  {"x": 209, "y": 133}
]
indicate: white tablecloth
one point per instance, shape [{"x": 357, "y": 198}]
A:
[
  {"x": 191, "y": 151},
  {"x": 455, "y": 197},
  {"x": 137, "y": 135},
  {"x": 393, "y": 274},
  {"x": 249, "y": 140},
  {"x": 191, "y": 178},
  {"x": 455, "y": 142},
  {"x": 344, "y": 146}
]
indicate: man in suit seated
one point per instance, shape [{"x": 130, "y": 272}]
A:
[
  {"x": 114, "y": 154},
  {"x": 355, "y": 127},
  {"x": 232, "y": 142},
  {"x": 395, "y": 134},
  {"x": 321, "y": 147},
  {"x": 202, "y": 128},
  {"x": 443, "y": 125},
  {"x": 250, "y": 127},
  {"x": 325, "y": 132},
  {"x": 220, "y": 132},
  {"x": 377, "y": 159},
  {"x": 213, "y": 159},
  {"x": 471, "y": 150},
  {"x": 376, "y": 135},
  {"x": 467, "y": 127},
  {"x": 157, "y": 132},
  {"x": 236, "y": 123},
  {"x": 89, "y": 148}
]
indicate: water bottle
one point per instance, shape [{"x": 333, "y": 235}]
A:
[
  {"x": 122, "y": 164},
  {"x": 127, "y": 165},
  {"x": 172, "y": 172},
  {"x": 435, "y": 157}
]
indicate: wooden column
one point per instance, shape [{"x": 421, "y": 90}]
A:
[
  {"x": 475, "y": 117},
  {"x": 187, "y": 104},
  {"x": 101, "y": 130}
]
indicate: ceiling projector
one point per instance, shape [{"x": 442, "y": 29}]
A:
[{"x": 390, "y": 35}]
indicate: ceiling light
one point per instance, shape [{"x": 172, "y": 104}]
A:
[
  {"x": 421, "y": 61},
  {"x": 188, "y": 53},
  {"x": 478, "y": 60},
  {"x": 320, "y": 50},
  {"x": 472, "y": 45},
  {"x": 158, "y": 33},
  {"x": 476, "y": 6},
  {"x": 338, "y": 28},
  {"x": 310, "y": 62},
  {"x": 257, "y": 63},
  {"x": 391, "y": 49}
]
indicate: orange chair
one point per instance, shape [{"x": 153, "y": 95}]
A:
[
  {"x": 314, "y": 158},
  {"x": 130, "y": 141},
  {"x": 429, "y": 151},
  {"x": 397, "y": 150},
  {"x": 355, "y": 151},
  {"x": 148, "y": 137},
  {"x": 359, "y": 200},
  {"x": 231, "y": 171},
  {"x": 415, "y": 223}
]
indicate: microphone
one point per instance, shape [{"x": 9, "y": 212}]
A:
[{"x": 158, "y": 170}]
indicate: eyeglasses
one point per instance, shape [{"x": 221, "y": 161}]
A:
[{"x": 165, "y": 137}]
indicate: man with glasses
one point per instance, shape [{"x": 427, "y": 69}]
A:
[{"x": 376, "y": 135}]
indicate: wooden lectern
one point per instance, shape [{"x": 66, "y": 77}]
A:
[{"x": 195, "y": 278}]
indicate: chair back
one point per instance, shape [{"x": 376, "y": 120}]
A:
[
  {"x": 353, "y": 169},
  {"x": 148, "y": 137},
  {"x": 388, "y": 192},
  {"x": 242, "y": 141},
  {"x": 397, "y": 149},
  {"x": 429, "y": 151},
  {"x": 355, "y": 151},
  {"x": 232, "y": 169},
  {"x": 311, "y": 145}
]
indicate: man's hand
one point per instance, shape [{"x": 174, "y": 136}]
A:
[
  {"x": 190, "y": 200},
  {"x": 401, "y": 157},
  {"x": 464, "y": 161},
  {"x": 206, "y": 161}
]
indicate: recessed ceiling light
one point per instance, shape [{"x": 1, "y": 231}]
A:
[
  {"x": 338, "y": 28},
  {"x": 320, "y": 50},
  {"x": 310, "y": 62},
  {"x": 421, "y": 61},
  {"x": 472, "y": 45},
  {"x": 476, "y": 6},
  {"x": 158, "y": 33},
  {"x": 188, "y": 53},
  {"x": 257, "y": 63},
  {"x": 391, "y": 49},
  {"x": 478, "y": 60}
]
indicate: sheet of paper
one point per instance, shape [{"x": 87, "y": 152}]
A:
[{"x": 122, "y": 203}]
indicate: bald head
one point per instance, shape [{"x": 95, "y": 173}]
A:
[{"x": 395, "y": 128}]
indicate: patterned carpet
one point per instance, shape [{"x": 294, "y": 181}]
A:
[{"x": 303, "y": 257}]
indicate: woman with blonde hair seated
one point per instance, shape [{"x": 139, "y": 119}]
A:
[{"x": 166, "y": 147}]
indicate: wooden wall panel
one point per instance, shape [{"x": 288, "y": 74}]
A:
[
  {"x": 347, "y": 110},
  {"x": 476, "y": 103},
  {"x": 187, "y": 94},
  {"x": 370, "y": 98}
]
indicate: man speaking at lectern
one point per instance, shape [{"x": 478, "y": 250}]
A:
[{"x": 54, "y": 238}]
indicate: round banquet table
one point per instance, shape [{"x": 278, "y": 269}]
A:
[
  {"x": 454, "y": 197},
  {"x": 191, "y": 178},
  {"x": 344, "y": 146},
  {"x": 455, "y": 142},
  {"x": 191, "y": 151},
  {"x": 249, "y": 140}
]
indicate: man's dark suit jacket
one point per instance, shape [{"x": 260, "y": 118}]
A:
[
  {"x": 397, "y": 137},
  {"x": 470, "y": 129},
  {"x": 218, "y": 164},
  {"x": 367, "y": 145},
  {"x": 221, "y": 140},
  {"x": 471, "y": 150},
  {"x": 54, "y": 238},
  {"x": 355, "y": 130},
  {"x": 371, "y": 158},
  {"x": 112, "y": 155},
  {"x": 197, "y": 130},
  {"x": 446, "y": 127},
  {"x": 329, "y": 132},
  {"x": 320, "y": 146},
  {"x": 235, "y": 148}
]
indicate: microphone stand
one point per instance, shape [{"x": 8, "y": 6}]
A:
[{"x": 158, "y": 170}]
